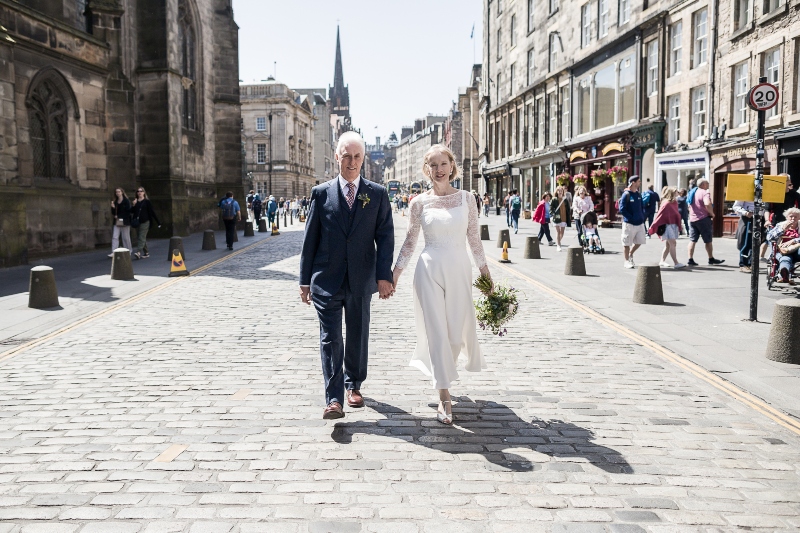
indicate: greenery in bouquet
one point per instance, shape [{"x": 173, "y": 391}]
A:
[
  {"x": 580, "y": 179},
  {"x": 563, "y": 179},
  {"x": 497, "y": 306},
  {"x": 619, "y": 175},
  {"x": 599, "y": 177}
]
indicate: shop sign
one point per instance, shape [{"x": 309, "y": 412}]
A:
[{"x": 735, "y": 153}]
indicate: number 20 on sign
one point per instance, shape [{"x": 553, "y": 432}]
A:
[{"x": 762, "y": 97}]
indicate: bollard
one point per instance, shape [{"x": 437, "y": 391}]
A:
[
  {"x": 284, "y": 219},
  {"x": 209, "y": 241},
  {"x": 291, "y": 218},
  {"x": 42, "y": 291},
  {"x": 121, "y": 266},
  {"x": 175, "y": 242},
  {"x": 503, "y": 237},
  {"x": 485, "y": 232},
  {"x": 575, "y": 265},
  {"x": 532, "y": 248},
  {"x": 648, "y": 285},
  {"x": 783, "y": 344},
  {"x": 248, "y": 230},
  {"x": 262, "y": 226}
]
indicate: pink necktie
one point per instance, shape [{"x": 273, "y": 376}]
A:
[{"x": 351, "y": 195}]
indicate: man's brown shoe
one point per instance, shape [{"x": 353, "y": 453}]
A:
[
  {"x": 333, "y": 411},
  {"x": 354, "y": 398}
]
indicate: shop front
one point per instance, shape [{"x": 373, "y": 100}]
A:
[
  {"x": 789, "y": 153},
  {"x": 498, "y": 179},
  {"x": 678, "y": 169},
  {"x": 603, "y": 157},
  {"x": 536, "y": 176}
]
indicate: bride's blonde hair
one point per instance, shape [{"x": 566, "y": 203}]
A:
[{"x": 440, "y": 149}]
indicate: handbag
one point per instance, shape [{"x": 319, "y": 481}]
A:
[
  {"x": 661, "y": 230},
  {"x": 120, "y": 222}
]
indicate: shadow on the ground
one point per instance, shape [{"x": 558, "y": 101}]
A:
[{"x": 489, "y": 429}]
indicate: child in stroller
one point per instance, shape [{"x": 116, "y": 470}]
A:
[{"x": 590, "y": 239}]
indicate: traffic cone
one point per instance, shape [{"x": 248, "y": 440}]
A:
[
  {"x": 178, "y": 267},
  {"x": 504, "y": 257},
  {"x": 275, "y": 230}
]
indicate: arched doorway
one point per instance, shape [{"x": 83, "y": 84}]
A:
[{"x": 649, "y": 170}]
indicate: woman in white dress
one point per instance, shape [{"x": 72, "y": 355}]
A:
[{"x": 443, "y": 309}]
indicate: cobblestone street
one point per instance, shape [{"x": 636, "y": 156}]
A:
[{"x": 198, "y": 409}]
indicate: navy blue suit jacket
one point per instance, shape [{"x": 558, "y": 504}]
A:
[{"x": 332, "y": 247}]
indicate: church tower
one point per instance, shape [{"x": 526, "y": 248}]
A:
[{"x": 339, "y": 94}]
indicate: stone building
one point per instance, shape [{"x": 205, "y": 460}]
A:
[
  {"x": 469, "y": 107},
  {"x": 410, "y": 151},
  {"x": 324, "y": 144},
  {"x": 100, "y": 94},
  {"x": 452, "y": 137},
  {"x": 277, "y": 136}
]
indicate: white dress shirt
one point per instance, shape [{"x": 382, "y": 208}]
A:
[{"x": 343, "y": 185}]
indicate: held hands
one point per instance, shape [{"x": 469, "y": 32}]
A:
[{"x": 385, "y": 289}]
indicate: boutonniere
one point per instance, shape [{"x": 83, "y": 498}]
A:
[{"x": 364, "y": 200}]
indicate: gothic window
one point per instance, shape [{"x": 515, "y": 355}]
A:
[
  {"x": 47, "y": 113},
  {"x": 188, "y": 62}
]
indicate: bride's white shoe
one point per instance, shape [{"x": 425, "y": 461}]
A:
[{"x": 445, "y": 418}]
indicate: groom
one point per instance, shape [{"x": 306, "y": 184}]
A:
[{"x": 346, "y": 258}]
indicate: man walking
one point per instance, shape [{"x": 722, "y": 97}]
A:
[
  {"x": 346, "y": 258},
  {"x": 650, "y": 200},
  {"x": 507, "y": 205},
  {"x": 701, "y": 221},
  {"x": 231, "y": 214},
  {"x": 630, "y": 207},
  {"x": 515, "y": 202},
  {"x": 744, "y": 234},
  {"x": 249, "y": 202}
]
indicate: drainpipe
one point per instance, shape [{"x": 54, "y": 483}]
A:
[{"x": 712, "y": 49}]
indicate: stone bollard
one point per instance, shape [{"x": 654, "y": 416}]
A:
[
  {"x": 42, "y": 291},
  {"x": 262, "y": 226},
  {"x": 121, "y": 267},
  {"x": 575, "y": 265},
  {"x": 175, "y": 242},
  {"x": 648, "y": 285},
  {"x": 503, "y": 237},
  {"x": 209, "y": 241},
  {"x": 532, "y": 248},
  {"x": 485, "y": 232},
  {"x": 248, "y": 229},
  {"x": 783, "y": 344}
]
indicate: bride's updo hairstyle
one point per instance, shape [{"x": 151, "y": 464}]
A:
[{"x": 439, "y": 149}]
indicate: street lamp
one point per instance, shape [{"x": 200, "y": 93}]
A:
[{"x": 270, "y": 152}]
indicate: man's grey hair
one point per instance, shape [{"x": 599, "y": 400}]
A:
[
  {"x": 350, "y": 137},
  {"x": 702, "y": 181}
]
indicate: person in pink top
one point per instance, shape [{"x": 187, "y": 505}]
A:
[
  {"x": 667, "y": 225},
  {"x": 701, "y": 222}
]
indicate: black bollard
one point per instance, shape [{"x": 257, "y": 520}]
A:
[
  {"x": 175, "y": 242},
  {"x": 485, "y": 232},
  {"x": 121, "y": 267},
  {"x": 575, "y": 266},
  {"x": 42, "y": 291},
  {"x": 262, "y": 226},
  {"x": 532, "y": 248},
  {"x": 648, "y": 285},
  {"x": 502, "y": 237},
  {"x": 209, "y": 241},
  {"x": 783, "y": 345},
  {"x": 248, "y": 229}
]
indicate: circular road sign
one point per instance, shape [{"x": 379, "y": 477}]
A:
[{"x": 762, "y": 97}]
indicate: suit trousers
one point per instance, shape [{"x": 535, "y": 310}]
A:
[{"x": 333, "y": 351}]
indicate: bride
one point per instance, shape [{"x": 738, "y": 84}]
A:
[{"x": 443, "y": 308}]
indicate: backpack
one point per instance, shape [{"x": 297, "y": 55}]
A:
[
  {"x": 256, "y": 203},
  {"x": 621, "y": 206},
  {"x": 646, "y": 199},
  {"x": 228, "y": 209},
  {"x": 516, "y": 203},
  {"x": 690, "y": 196}
]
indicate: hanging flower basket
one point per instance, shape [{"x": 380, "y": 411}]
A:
[
  {"x": 599, "y": 176},
  {"x": 563, "y": 179},
  {"x": 619, "y": 175},
  {"x": 580, "y": 179}
]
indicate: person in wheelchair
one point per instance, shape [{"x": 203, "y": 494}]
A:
[{"x": 786, "y": 236}]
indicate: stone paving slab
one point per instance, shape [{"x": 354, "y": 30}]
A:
[{"x": 571, "y": 428}]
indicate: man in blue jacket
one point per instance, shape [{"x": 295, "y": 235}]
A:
[
  {"x": 346, "y": 258},
  {"x": 632, "y": 211}
]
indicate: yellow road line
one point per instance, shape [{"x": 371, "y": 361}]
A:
[
  {"x": 119, "y": 305},
  {"x": 779, "y": 417}
]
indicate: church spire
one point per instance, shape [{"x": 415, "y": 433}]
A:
[
  {"x": 339, "y": 94},
  {"x": 338, "y": 75}
]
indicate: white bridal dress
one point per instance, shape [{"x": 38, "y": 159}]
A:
[{"x": 443, "y": 308}]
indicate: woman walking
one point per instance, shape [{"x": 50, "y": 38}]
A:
[
  {"x": 121, "y": 211},
  {"x": 542, "y": 216},
  {"x": 486, "y": 201},
  {"x": 560, "y": 213},
  {"x": 582, "y": 205},
  {"x": 443, "y": 309},
  {"x": 669, "y": 219},
  {"x": 143, "y": 214}
]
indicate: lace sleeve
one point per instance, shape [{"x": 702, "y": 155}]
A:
[
  {"x": 414, "y": 219},
  {"x": 474, "y": 240}
]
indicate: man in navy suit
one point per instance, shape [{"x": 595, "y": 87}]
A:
[{"x": 346, "y": 258}]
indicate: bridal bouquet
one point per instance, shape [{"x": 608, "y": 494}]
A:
[{"x": 496, "y": 307}]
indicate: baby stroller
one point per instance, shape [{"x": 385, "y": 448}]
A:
[{"x": 590, "y": 237}]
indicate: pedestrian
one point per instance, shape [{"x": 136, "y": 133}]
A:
[
  {"x": 630, "y": 207},
  {"x": 744, "y": 234},
  {"x": 249, "y": 202},
  {"x": 256, "y": 206},
  {"x": 507, "y": 205},
  {"x": 272, "y": 208},
  {"x": 487, "y": 200},
  {"x": 786, "y": 235},
  {"x": 666, "y": 224},
  {"x": 542, "y": 216},
  {"x": 281, "y": 206},
  {"x": 121, "y": 212},
  {"x": 231, "y": 214},
  {"x": 477, "y": 201},
  {"x": 683, "y": 209},
  {"x": 142, "y": 216},
  {"x": 582, "y": 205},
  {"x": 515, "y": 203},
  {"x": 560, "y": 213},
  {"x": 774, "y": 214},
  {"x": 701, "y": 215},
  {"x": 650, "y": 200}
]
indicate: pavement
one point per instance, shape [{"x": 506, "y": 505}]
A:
[
  {"x": 197, "y": 408},
  {"x": 705, "y": 319}
]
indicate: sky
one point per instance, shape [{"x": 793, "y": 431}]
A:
[{"x": 402, "y": 59}]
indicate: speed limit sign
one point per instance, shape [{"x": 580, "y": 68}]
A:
[{"x": 762, "y": 97}]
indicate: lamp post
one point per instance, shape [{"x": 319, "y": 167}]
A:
[{"x": 270, "y": 152}]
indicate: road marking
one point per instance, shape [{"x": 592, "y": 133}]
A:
[
  {"x": 133, "y": 299},
  {"x": 240, "y": 394},
  {"x": 168, "y": 455},
  {"x": 779, "y": 417}
]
